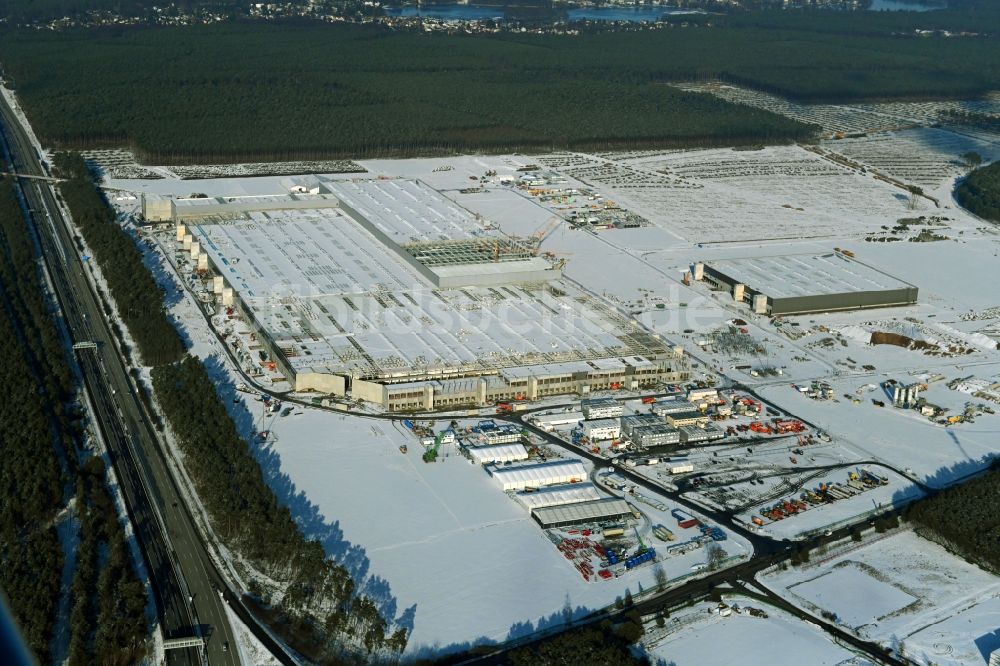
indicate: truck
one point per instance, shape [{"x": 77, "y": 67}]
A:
[{"x": 682, "y": 468}]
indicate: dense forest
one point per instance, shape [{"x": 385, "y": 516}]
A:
[
  {"x": 41, "y": 463},
  {"x": 139, "y": 298},
  {"x": 979, "y": 192},
  {"x": 320, "y": 609},
  {"x": 254, "y": 91},
  {"x": 966, "y": 517}
]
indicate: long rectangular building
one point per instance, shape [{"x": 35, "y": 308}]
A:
[
  {"x": 542, "y": 474},
  {"x": 343, "y": 305},
  {"x": 800, "y": 284},
  {"x": 559, "y": 495},
  {"x": 581, "y": 513}
]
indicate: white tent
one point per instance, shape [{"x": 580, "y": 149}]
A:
[
  {"x": 498, "y": 454},
  {"x": 544, "y": 474},
  {"x": 556, "y": 495}
]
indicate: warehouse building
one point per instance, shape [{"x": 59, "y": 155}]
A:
[
  {"x": 801, "y": 284},
  {"x": 602, "y": 429},
  {"x": 354, "y": 309},
  {"x": 542, "y": 474},
  {"x": 502, "y": 453},
  {"x": 597, "y": 511},
  {"x": 601, "y": 408},
  {"x": 668, "y": 406},
  {"x": 559, "y": 495},
  {"x": 633, "y": 421},
  {"x": 657, "y": 434},
  {"x": 693, "y": 434},
  {"x": 691, "y": 417}
]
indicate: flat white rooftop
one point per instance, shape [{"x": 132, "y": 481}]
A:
[
  {"x": 427, "y": 332},
  {"x": 806, "y": 275},
  {"x": 301, "y": 253},
  {"x": 407, "y": 211}
]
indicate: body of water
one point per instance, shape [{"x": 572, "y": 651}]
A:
[
  {"x": 897, "y": 6},
  {"x": 470, "y": 13}
]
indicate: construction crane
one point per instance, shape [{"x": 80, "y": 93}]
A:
[{"x": 541, "y": 235}]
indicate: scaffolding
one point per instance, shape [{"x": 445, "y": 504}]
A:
[{"x": 468, "y": 251}]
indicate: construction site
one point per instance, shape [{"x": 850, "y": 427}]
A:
[{"x": 384, "y": 291}]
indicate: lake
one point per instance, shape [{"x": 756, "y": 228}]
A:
[
  {"x": 467, "y": 13},
  {"x": 897, "y": 6}
]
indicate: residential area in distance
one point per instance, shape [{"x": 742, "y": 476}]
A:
[{"x": 647, "y": 403}]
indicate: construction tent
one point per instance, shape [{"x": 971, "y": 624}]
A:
[
  {"x": 500, "y": 453},
  {"x": 543, "y": 474},
  {"x": 556, "y": 495}
]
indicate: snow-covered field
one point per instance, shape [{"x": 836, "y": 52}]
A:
[
  {"x": 450, "y": 556},
  {"x": 853, "y": 594},
  {"x": 906, "y": 593},
  {"x": 777, "y": 640},
  {"x": 439, "y": 545}
]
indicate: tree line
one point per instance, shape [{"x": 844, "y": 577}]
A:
[
  {"x": 979, "y": 192},
  {"x": 42, "y": 461},
  {"x": 320, "y": 605},
  {"x": 139, "y": 298},
  {"x": 320, "y": 599},
  {"x": 283, "y": 90},
  {"x": 965, "y": 517}
]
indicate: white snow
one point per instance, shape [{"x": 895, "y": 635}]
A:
[
  {"x": 907, "y": 593},
  {"x": 778, "y": 640}
]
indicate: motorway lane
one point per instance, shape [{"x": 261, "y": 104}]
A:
[{"x": 187, "y": 602}]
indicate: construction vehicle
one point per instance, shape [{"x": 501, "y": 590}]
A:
[
  {"x": 757, "y": 520},
  {"x": 430, "y": 455}
]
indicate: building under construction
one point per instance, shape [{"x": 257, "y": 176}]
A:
[{"x": 385, "y": 291}]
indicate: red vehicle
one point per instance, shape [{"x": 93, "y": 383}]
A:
[
  {"x": 648, "y": 400},
  {"x": 604, "y": 573}
]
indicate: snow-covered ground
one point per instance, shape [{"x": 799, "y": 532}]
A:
[
  {"x": 440, "y": 546},
  {"x": 449, "y": 555},
  {"x": 251, "y": 650},
  {"x": 704, "y": 638},
  {"x": 906, "y": 593}
]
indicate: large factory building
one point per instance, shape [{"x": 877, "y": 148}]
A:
[
  {"x": 801, "y": 284},
  {"x": 385, "y": 291}
]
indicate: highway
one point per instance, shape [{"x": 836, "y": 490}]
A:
[{"x": 183, "y": 577}]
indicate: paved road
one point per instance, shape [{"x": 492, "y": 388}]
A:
[{"x": 182, "y": 575}]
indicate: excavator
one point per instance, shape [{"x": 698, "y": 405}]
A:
[{"x": 431, "y": 454}]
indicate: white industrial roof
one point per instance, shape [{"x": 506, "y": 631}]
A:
[
  {"x": 582, "y": 512},
  {"x": 806, "y": 275},
  {"x": 302, "y": 253},
  {"x": 558, "y": 495},
  {"x": 601, "y": 423},
  {"x": 407, "y": 211},
  {"x": 498, "y": 453},
  {"x": 541, "y": 474}
]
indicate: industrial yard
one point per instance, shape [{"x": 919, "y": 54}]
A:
[{"x": 595, "y": 374}]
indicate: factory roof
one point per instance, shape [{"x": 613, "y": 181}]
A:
[
  {"x": 806, "y": 275},
  {"x": 407, "y": 211},
  {"x": 302, "y": 254},
  {"x": 582, "y": 512},
  {"x": 652, "y": 429}
]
